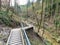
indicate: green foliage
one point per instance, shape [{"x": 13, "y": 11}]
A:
[
  {"x": 4, "y": 18},
  {"x": 48, "y": 43}
]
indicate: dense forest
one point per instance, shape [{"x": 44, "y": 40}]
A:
[{"x": 43, "y": 14}]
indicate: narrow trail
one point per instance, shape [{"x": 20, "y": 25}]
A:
[{"x": 15, "y": 37}]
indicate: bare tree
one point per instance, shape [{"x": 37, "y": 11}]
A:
[{"x": 35, "y": 15}]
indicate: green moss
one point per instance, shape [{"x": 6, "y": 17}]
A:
[{"x": 48, "y": 43}]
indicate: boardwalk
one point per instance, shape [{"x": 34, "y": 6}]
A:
[{"x": 15, "y": 37}]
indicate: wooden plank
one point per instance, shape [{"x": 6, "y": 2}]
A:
[{"x": 16, "y": 37}]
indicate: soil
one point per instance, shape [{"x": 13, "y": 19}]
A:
[
  {"x": 4, "y": 34},
  {"x": 34, "y": 38}
]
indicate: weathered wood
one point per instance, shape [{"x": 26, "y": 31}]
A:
[{"x": 15, "y": 37}]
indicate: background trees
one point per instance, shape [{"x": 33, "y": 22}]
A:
[{"x": 43, "y": 14}]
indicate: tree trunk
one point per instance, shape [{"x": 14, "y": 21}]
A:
[
  {"x": 42, "y": 16},
  {"x": 8, "y": 5},
  {"x": 36, "y": 16},
  {"x": 0, "y": 4}
]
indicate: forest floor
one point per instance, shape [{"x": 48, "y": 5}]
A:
[
  {"x": 34, "y": 38},
  {"x": 4, "y": 34},
  {"x": 47, "y": 36}
]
